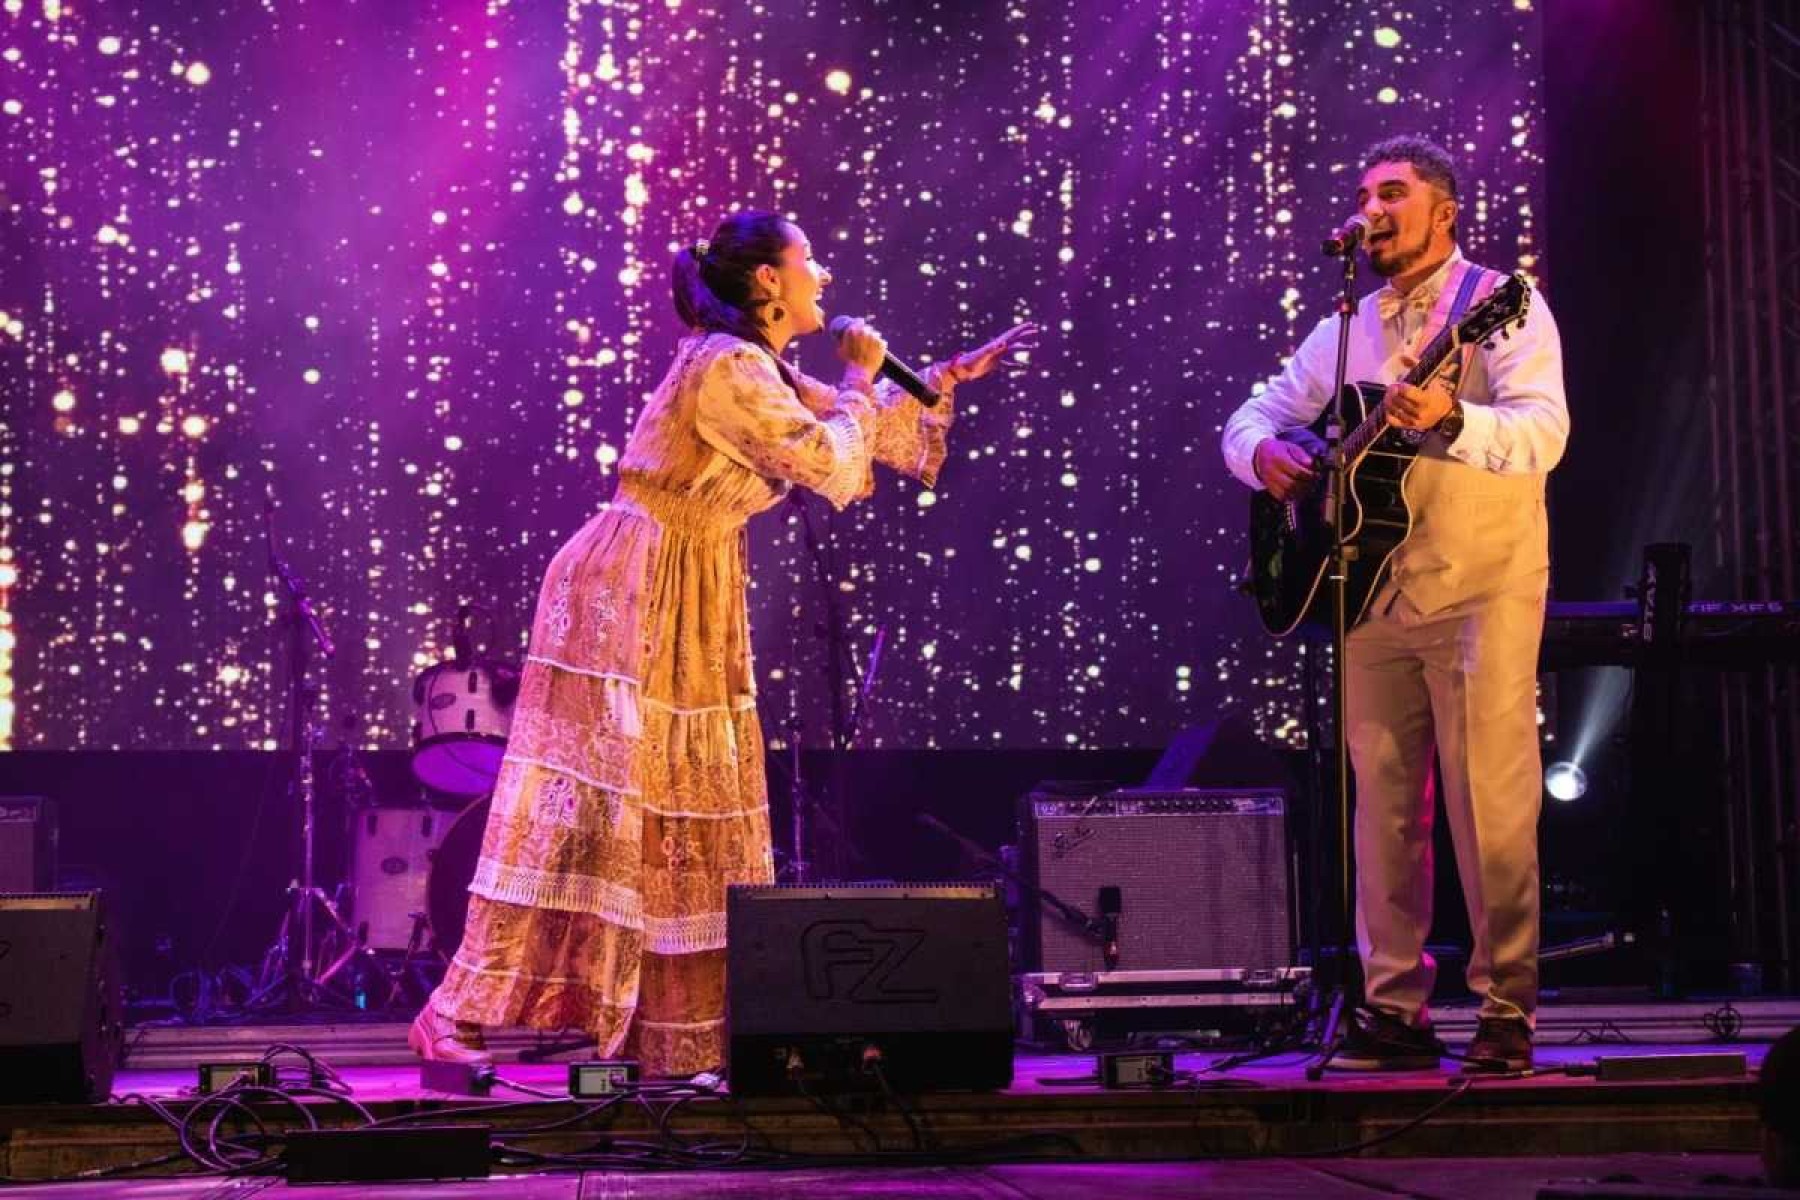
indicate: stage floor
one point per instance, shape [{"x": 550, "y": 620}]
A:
[
  {"x": 1035, "y": 1075},
  {"x": 1255, "y": 1129},
  {"x": 1625, "y": 1176}
]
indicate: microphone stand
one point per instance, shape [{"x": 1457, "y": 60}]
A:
[
  {"x": 846, "y": 719},
  {"x": 1336, "y": 485},
  {"x": 1102, "y": 930},
  {"x": 286, "y": 966}
]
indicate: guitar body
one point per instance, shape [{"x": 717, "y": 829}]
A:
[{"x": 1290, "y": 542}]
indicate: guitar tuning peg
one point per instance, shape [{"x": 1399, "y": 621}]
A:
[{"x": 1488, "y": 345}]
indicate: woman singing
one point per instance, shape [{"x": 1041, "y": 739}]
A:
[{"x": 632, "y": 793}]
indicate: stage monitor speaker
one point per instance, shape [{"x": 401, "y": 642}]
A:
[
  {"x": 61, "y": 1016},
  {"x": 827, "y": 984},
  {"x": 1202, "y": 879},
  {"x": 27, "y": 844}
]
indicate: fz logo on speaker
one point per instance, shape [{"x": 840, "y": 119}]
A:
[{"x": 857, "y": 961}]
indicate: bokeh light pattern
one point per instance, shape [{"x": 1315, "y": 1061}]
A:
[{"x": 404, "y": 268}]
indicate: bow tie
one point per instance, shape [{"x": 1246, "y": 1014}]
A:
[{"x": 1391, "y": 303}]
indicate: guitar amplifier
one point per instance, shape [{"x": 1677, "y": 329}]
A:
[
  {"x": 27, "y": 844},
  {"x": 1198, "y": 879}
]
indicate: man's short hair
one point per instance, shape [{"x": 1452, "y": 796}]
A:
[{"x": 1430, "y": 161}]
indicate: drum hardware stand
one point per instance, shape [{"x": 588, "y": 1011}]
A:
[
  {"x": 411, "y": 968},
  {"x": 290, "y": 967},
  {"x": 348, "y": 773}
]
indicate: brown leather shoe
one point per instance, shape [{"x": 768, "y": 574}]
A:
[
  {"x": 1502, "y": 1045},
  {"x": 437, "y": 1038}
]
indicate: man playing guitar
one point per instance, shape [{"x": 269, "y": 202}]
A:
[{"x": 1445, "y": 655}]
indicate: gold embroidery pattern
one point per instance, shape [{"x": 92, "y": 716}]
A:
[
  {"x": 632, "y": 795},
  {"x": 560, "y": 618},
  {"x": 556, "y": 801}
]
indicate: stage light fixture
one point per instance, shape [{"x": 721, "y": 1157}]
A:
[{"x": 1565, "y": 781}]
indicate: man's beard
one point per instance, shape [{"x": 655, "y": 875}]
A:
[{"x": 1399, "y": 262}]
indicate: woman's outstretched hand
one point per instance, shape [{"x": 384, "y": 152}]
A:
[{"x": 974, "y": 364}]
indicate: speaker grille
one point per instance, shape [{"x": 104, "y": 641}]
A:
[
  {"x": 27, "y": 844},
  {"x": 1202, "y": 878},
  {"x": 818, "y": 976}
]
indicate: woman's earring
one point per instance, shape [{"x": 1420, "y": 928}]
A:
[{"x": 777, "y": 313}]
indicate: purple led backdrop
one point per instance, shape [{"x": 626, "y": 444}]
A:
[{"x": 406, "y": 265}]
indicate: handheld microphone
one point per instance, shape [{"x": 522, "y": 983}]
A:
[
  {"x": 903, "y": 376},
  {"x": 1346, "y": 237}
]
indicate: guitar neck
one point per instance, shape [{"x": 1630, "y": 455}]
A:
[{"x": 1375, "y": 423}]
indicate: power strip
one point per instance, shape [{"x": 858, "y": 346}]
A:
[
  {"x": 1143, "y": 1068},
  {"x": 1644, "y": 1068},
  {"x": 602, "y": 1077},
  {"x": 457, "y": 1078},
  {"x": 388, "y": 1152},
  {"x": 217, "y": 1076}
]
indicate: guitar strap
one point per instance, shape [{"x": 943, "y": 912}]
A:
[{"x": 1452, "y": 303}]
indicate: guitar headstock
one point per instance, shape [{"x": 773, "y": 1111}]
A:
[{"x": 1504, "y": 307}]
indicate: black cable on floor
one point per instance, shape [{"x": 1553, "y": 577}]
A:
[{"x": 1458, "y": 1090}]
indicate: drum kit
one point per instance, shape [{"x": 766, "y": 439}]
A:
[
  {"x": 399, "y": 915},
  {"x": 411, "y": 866}
]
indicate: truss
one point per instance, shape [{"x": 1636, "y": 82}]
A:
[{"x": 1750, "y": 95}]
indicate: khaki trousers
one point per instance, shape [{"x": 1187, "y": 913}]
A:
[{"x": 1464, "y": 679}]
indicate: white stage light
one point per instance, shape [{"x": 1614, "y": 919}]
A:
[{"x": 1565, "y": 781}]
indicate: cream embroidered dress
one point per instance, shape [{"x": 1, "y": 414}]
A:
[{"x": 632, "y": 793}]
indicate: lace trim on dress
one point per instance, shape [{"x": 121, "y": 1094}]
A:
[
  {"x": 851, "y": 457},
  {"x": 650, "y": 810},
  {"x": 524, "y": 886},
  {"x": 518, "y": 973},
  {"x": 910, "y": 437},
  {"x": 571, "y": 668},
  {"x": 684, "y": 935},
  {"x": 741, "y": 704},
  {"x": 585, "y": 894},
  {"x": 578, "y": 776},
  {"x": 712, "y": 1024}
]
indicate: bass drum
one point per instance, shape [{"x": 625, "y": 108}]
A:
[
  {"x": 463, "y": 714},
  {"x": 390, "y": 859},
  {"x": 452, "y": 869}
]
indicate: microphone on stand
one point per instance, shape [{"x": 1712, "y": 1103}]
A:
[
  {"x": 303, "y": 608},
  {"x": 460, "y": 647},
  {"x": 1346, "y": 237},
  {"x": 1111, "y": 904},
  {"x": 903, "y": 376}
]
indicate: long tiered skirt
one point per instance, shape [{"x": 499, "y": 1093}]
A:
[{"x": 632, "y": 795}]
